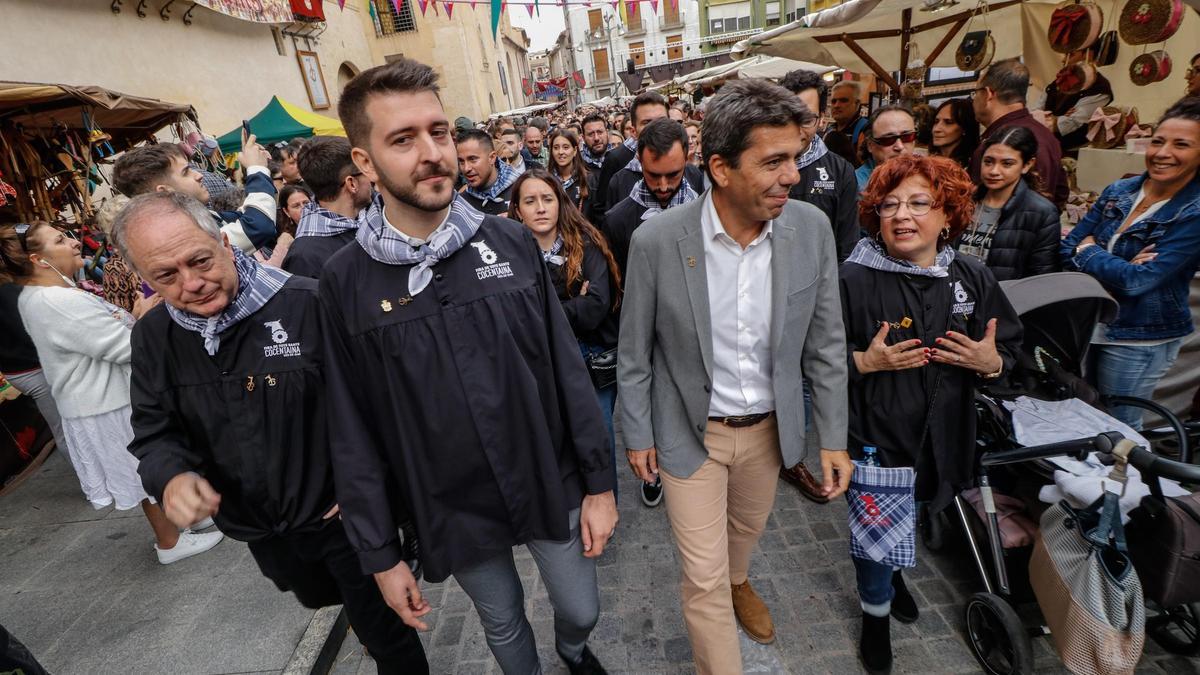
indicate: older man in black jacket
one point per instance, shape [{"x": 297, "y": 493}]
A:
[{"x": 229, "y": 413}]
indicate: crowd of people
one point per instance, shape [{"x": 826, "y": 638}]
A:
[{"x": 473, "y": 319}]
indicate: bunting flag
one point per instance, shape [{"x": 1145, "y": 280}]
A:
[
  {"x": 449, "y": 9},
  {"x": 342, "y": 5},
  {"x": 396, "y": 6},
  {"x": 497, "y": 10},
  {"x": 654, "y": 6},
  {"x": 423, "y": 3},
  {"x": 530, "y": 8},
  {"x": 675, "y": 5}
]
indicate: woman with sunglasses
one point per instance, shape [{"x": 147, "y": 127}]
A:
[
  {"x": 83, "y": 344},
  {"x": 585, "y": 273},
  {"x": 1141, "y": 240},
  {"x": 924, "y": 328},
  {"x": 1016, "y": 229}
]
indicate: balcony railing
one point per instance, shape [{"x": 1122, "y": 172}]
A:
[
  {"x": 635, "y": 28},
  {"x": 670, "y": 22}
]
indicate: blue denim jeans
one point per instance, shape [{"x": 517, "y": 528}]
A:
[
  {"x": 1132, "y": 370},
  {"x": 875, "y": 590},
  {"x": 607, "y": 397}
]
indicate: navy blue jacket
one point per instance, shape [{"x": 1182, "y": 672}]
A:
[{"x": 1153, "y": 296}]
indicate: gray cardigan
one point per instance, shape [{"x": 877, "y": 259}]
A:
[{"x": 664, "y": 372}]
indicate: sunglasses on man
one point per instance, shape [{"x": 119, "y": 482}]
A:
[{"x": 890, "y": 139}]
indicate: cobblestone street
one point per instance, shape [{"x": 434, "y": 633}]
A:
[{"x": 802, "y": 572}]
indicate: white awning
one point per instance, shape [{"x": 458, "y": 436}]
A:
[{"x": 875, "y": 28}]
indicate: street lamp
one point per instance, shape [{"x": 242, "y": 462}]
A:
[{"x": 606, "y": 33}]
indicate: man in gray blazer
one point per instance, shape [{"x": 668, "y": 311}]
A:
[{"x": 730, "y": 301}]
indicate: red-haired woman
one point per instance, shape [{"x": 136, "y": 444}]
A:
[{"x": 924, "y": 327}]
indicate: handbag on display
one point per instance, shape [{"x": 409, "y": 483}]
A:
[
  {"x": 603, "y": 368},
  {"x": 1145, "y": 22},
  {"x": 975, "y": 51},
  {"x": 1087, "y": 588},
  {"x": 1106, "y": 51},
  {"x": 1164, "y": 543},
  {"x": 1074, "y": 26},
  {"x": 1150, "y": 67},
  {"x": 1075, "y": 78},
  {"x": 1107, "y": 126}
]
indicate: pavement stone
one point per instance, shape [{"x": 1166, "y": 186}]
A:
[
  {"x": 800, "y": 570},
  {"x": 82, "y": 590}
]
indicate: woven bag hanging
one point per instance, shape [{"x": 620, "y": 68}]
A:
[
  {"x": 1145, "y": 22},
  {"x": 1150, "y": 68},
  {"x": 1074, "y": 26}
]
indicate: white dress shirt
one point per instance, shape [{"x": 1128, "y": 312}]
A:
[
  {"x": 739, "y": 300},
  {"x": 411, "y": 240}
]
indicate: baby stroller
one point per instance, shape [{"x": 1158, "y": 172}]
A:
[{"x": 1059, "y": 312}]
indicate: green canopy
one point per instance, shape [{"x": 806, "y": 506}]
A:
[{"x": 282, "y": 121}]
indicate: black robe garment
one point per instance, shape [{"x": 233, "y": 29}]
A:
[
  {"x": 307, "y": 255},
  {"x": 888, "y": 409},
  {"x": 251, "y": 419},
  {"x": 468, "y": 404}
]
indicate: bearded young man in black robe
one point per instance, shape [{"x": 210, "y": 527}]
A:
[{"x": 457, "y": 388}]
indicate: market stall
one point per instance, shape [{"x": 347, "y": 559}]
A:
[
  {"x": 54, "y": 136},
  {"x": 761, "y": 65},
  {"x": 279, "y": 121},
  {"x": 529, "y": 109}
]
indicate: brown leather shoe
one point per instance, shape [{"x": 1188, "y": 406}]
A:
[
  {"x": 752, "y": 614},
  {"x": 808, "y": 485}
]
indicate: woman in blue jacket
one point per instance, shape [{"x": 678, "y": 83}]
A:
[{"x": 1141, "y": 240}]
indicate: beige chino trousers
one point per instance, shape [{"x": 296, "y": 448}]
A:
[{"x": 717, "y": 515}]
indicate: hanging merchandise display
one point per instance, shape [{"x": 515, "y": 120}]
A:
[
  {"x": 1107, "y": 126},
  {"x": 978, "y": 47},
  {"x": 1110, "y": 41},
  {"x": 1145, "y": 22},
  {"x": 1150, "y": 67},
  {"x": 1075, "y": 26},
  {"x": 913, "y": 86},
  {"x": 1076, "y": 77}
]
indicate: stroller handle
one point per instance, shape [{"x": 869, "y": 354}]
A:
[
  {"x": 1078, "y": 449},
  {"x": 1153, "y": 465}
]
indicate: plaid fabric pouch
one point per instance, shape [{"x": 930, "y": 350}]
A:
[{"x": 883, "y": 515}]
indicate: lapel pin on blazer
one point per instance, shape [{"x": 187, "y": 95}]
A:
[
  {"x": 691, "y": 261},
  {"x": 271, "y": 381},
  {"x": 385, "y": 305},
  {"x": 249, "y": 383},
  {"x": 405, "y": 300}
]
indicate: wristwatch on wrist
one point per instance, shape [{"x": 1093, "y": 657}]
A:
[{"x": 1083, "y": 246}]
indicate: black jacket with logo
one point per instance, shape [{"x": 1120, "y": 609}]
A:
[
  {"x": 307, "y": 255},
  {"x": 468, "y": 403},
  {"x": 251, "y": 419},
  {"x": 829, "y": 185},
  {"x": 889, "y": 409}
]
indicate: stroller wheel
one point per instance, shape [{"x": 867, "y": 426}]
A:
[
  {"x": 1177, "y": 629},
  {"x": 997, "y": 637}
]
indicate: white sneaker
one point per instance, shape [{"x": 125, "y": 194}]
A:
[
  {"x": 189, "y": 544},
  {"x": 202, "y": 525}
]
